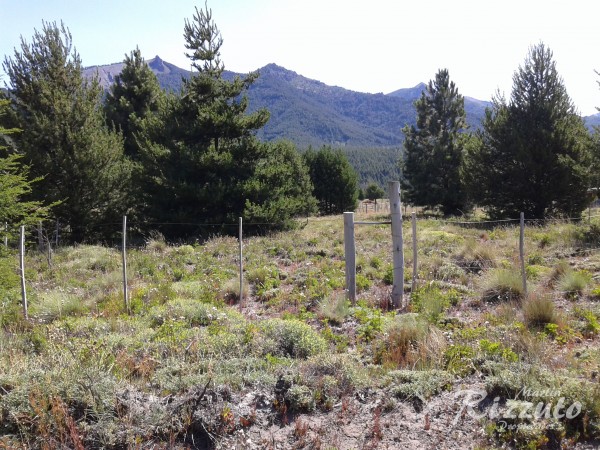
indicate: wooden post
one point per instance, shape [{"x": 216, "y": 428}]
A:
[
  {"x": 124, "y": 253},
  {"x": 397, "y": 243},
  {"x": 522, "y": 252},
  {"x": 241, "y": 263},
  {"x": 22, "y": 268},
  {"x": 350, "y": 256},
  {"x": 414, "y": 247}
]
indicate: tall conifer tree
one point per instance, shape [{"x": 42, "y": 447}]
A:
[
  {"x": 134, "y": 95},
  {"x": 433, "y": 151},
  {"x": 64, "y": 137},
  {"x": 533, "y": 152}
]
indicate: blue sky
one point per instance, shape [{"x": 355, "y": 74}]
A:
[{"x": 368, "y": 46}]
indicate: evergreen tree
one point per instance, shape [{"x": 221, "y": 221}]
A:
[
  {"x": 280, "y": 188},
  {"x": 203, "y": 162},
  {"x": 532, "y": 155},
  {"x": 64, "y": 138},
  {"x": 374, "y": 192},
  {"x": 335, "y": 181},
  {"x": 212, "y": 107},
  {"x": 433, "y": 154},
  {"x": 15, "y": 186},
  {"x": 134, "y": 95}
]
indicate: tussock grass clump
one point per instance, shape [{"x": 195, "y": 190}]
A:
[
  {"x": 502, "y": 285},
  {"x": 335, "y": 308},
  {"x": 156, "y": 243},
  {"x": 56, "y": 304},
  {"x": 573, "y": 283},
  {"x": 409, "y": 341},
  {"x": 230, "y": 290},
  {"x": 538, "y": 310},
  {"x": 476, "y": 257}
]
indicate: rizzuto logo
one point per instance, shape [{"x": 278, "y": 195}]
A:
[{"x": 514, "y": 413}]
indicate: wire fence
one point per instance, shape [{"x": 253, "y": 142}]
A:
[{"x": 51, "y": 235}]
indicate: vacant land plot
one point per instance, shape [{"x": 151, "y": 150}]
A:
[{"x": 472, "y": 362}]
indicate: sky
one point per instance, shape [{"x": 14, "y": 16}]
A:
[{"x": 366, "y": 46}]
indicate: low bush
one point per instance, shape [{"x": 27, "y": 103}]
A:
[{"x": 289, "y": 338}]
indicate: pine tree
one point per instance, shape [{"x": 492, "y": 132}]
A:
[
  {"x": 212, "y": 107},
  {"x": 533, "y": 151},
  {"x": 15, "y": 185},
  {"x": 335, "y": 181},
  {"x": 203, "y": 162},
  {"x": 64, "y": 138},
  {"x": 433, "y": 154},
  {"x": 374, "y": 192},
  {"x": 134, "y": 95}
]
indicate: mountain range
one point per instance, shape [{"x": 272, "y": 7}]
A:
[{"x": 311, "y": 113}]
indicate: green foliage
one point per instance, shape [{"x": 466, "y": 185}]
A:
[
  {"x": 458, "y": 359},
  {"x": 64, "y": 137},
  {"x": 290, "y": 338},
  {"x": 419, "y": 385},
  {"x": 201, "y": 160},
  {"x": 374, "y": 192},
  {"x": 433, "y": 149},
  {"x": 430, "y": 301},
  {"x": 335, "y": 181},
  {"x": 497, "y": 351},
  {"x": 532, "y": 155},
  {"x": 134, "y": 94},
  {"x": 277, "y": 191},
  {"x": 15, "y": 186},
  {"x": 370, "y": 320}
]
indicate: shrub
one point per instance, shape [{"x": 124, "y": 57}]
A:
[
  {"x": 418, "y": 384},
  {"x": 290, "y": 338},
  {"x": 191, "y": 311},
  {"x": 300, "y": 398},
  {"x": 458, "y": 359},
  {"x": 590, "y": 325},
  {"x": 431, "y": 301}
]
